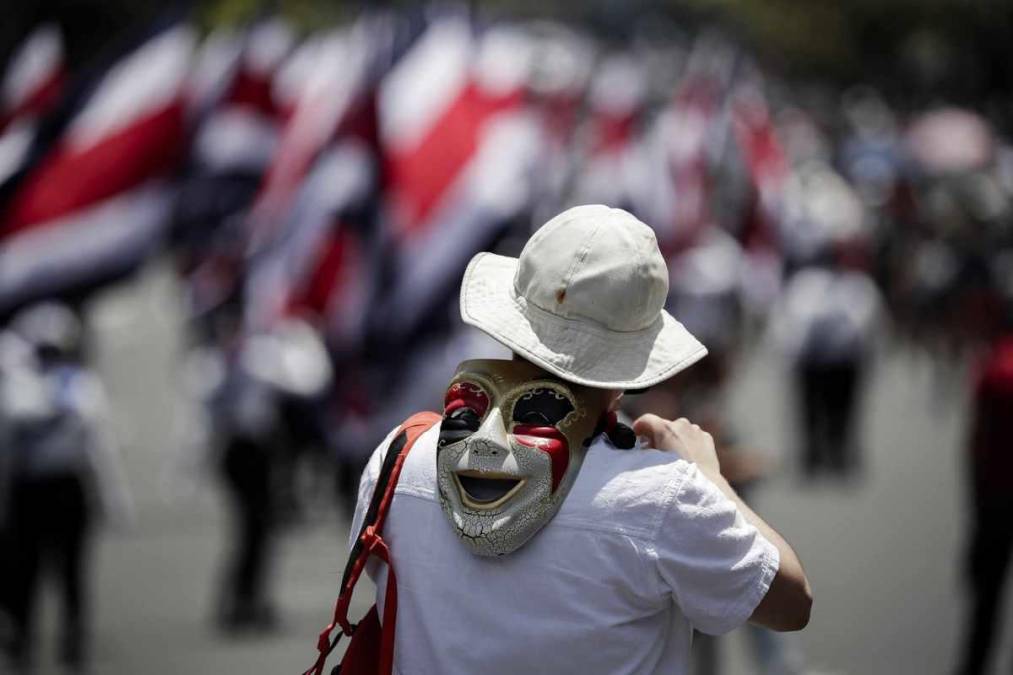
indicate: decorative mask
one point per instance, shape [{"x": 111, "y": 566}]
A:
[{"x": 511, "y": 444}]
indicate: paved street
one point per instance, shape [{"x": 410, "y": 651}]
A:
[{"x": 882, "y": 553}]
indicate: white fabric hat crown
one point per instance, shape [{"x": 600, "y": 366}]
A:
[{"x": 584, "y": 301}]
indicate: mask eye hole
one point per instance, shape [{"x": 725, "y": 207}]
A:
[
  {"x": 464, "y": 415},
  {"x": 534, "y": 418},
  {"x": 466, "y": 395},
  {"x": 542, "y": 406},
  {"x": 464, "y": 406}
]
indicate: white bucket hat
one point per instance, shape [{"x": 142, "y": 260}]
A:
[{"x": 585, "y": 301}]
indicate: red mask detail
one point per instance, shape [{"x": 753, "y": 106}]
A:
[
  {"x": 465, "y": 394},
  {"x": 549, "y": 440}
]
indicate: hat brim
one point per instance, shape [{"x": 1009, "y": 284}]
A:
[{"x": 576, "y": 351}]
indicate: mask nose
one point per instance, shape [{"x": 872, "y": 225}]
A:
[
  {"x": 488, "y": 449},
  {"x": 491, "y": 437}
]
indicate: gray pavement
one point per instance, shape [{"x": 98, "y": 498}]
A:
[{"x": 882, "y": 553}]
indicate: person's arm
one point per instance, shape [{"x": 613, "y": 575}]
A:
[{"x": 788, "y": 601}]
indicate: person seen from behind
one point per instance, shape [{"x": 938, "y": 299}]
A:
[
  {"x": 990, "y": 464},
  {"x": 530, "y": 530},
  {"x": 60, "y": 475}
]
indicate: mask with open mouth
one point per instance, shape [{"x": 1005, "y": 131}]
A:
[{"x": 512, "y": 441}]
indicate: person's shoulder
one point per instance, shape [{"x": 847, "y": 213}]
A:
[
  {"x": 626, "y": 491},
  {"x": 418, "y": 477},
  {"x": 418, "y": 474}
]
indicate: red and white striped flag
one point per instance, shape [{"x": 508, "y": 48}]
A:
[
  {"x": 695, "y": 109},
  {"x": 674, "y": 191},
  {"x": 234, "y": 79},
  {"x": 31, "y": 88},
  {"x": 95, "y": 204},
  {"x": 458, "y": 147},
  {"x": 765, "y": 159},
  {"x": 34, "y": 78},
  {"x": 562, "y": 62},
  {"x": 319, "y": 268},
  {"x": 304, "y": 258},
  {"x": 616, "y": 102},
  {"x": 767, "y": 170}
]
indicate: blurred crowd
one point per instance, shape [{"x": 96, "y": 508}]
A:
[{"x": 320, "y": 195}]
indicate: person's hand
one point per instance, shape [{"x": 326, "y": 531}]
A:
[{"x": 683, "y": 437}]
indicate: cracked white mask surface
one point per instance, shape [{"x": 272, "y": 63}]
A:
[{"x": 512, "y": 441}]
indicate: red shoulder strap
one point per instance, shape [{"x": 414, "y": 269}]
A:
[{"x": 369, "y": 542}]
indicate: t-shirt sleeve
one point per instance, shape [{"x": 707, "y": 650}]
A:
[
  {"x": 366, "y": 484},
  {"x": 716, "y": 564}
]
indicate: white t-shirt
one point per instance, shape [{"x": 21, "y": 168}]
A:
[
  {"x": 828, "y": 316},
  {"x": 643, "y": 550}
]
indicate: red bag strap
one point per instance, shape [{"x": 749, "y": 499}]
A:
[{"x": 369, "y": 542}]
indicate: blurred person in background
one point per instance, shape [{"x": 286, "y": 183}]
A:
[
  {"x": 245, "y": 450},
  {"x": 260, "y": 409},
  {"x": 990, "y": 464},
  {"x": 963, "y": 210},
  {"x": 830, "y": 315},
  {"x": 60, "y": 474},
  {"x": 16, "y": 355}
]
